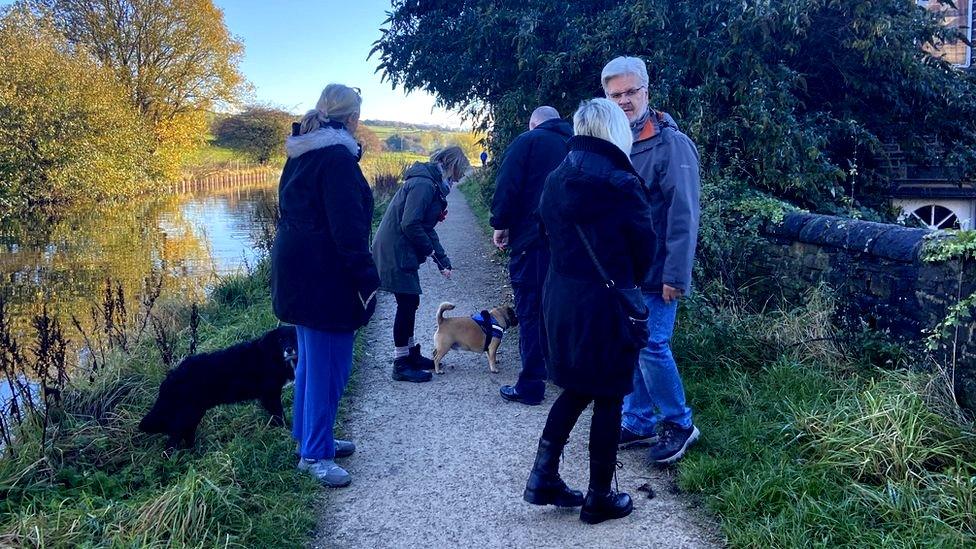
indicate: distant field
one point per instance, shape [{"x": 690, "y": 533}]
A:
[
  {"x": 214, "y": 154},
  {"x": 212, "y": 157},
  {"x": 386, "y": 131},
  {"x": 431, "y": 139}
]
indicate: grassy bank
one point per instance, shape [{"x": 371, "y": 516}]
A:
[
  {"x": 212, "y": 158},
  {"x": 806, "y": 444},
  {"x": 472, "y": 189},
  {"x": 98, "y": 482},
  {"x": 806, "y": 441}
]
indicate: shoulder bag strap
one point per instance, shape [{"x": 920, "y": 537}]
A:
[{"x": 596, "y": 262}]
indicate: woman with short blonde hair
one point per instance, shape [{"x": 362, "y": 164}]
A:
[{"x": 594, "y": 200}]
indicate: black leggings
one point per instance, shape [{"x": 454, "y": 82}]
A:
[
  {"x": 406, "y": 317},
  {"x": 604, "y": 430}
]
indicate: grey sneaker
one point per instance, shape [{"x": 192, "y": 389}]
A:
[
  {"x": 673, "y": 443},
  {"x": 343, "y": 448},
  {"x": 326, "y": 471}
]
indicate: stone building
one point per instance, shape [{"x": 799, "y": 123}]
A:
[{"x": 931, "y": 195}]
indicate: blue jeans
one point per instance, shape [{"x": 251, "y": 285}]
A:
[
  {"x": 324, "y": 364},
  {"x": 528, "y": 271},
  {"x": 658, "y": 393}
]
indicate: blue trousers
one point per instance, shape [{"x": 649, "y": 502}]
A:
[
  {"x": 324, "y": 365},
  {"x": 528, "y": 272},
  {"x": 658, "y": 392}
]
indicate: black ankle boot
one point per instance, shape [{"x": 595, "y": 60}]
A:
[
  {"x": 601, "y": 506},
  {"x": 601, "y": 502},
  {"x": 403, "y": 370},
  {"x": 544, "y": 486},
  {"x": 420, "y": 362}
]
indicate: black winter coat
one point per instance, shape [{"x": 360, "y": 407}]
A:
[
  {"x": 526, "y": 164},
  {"x": 596, "y": 188},
  {"x": 322, "y": 273}
]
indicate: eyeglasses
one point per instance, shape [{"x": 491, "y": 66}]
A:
[{"x": 628, "y": 94}]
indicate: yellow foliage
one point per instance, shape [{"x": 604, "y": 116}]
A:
[
  {"x": 67, "y": 130},
  {"x": 177, "y": 139},
  {"x": 101, "y": 98}
]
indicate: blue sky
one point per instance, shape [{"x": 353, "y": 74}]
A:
[{"x": 293, "y": 48}]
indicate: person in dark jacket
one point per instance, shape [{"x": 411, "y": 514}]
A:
[
  {"x": 323, "y": 278},
  {"x": 403, "y": 242},
  {"x": 514, "y": 208},
  {"x": 588, "y": 353},
  {"x": 668, "y": 161}
]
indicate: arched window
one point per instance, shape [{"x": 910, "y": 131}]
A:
[{"x": 937, "y": 217}]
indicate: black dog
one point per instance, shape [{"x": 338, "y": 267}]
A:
[{"x": 256, "y": 369}]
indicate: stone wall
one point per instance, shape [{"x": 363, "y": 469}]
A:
[{"x": 878, "y": 275}]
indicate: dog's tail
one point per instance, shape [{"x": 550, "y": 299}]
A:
[{"x": 440, "y": 311}]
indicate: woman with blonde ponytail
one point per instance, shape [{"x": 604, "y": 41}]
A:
[{"x": 323, "y": 278}]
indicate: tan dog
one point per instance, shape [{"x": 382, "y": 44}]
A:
[{"x": 462, "y": 332}]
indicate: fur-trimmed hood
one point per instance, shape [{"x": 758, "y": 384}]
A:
[{"x": 321, "y": 138}]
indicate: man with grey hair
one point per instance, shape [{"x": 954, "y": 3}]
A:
[
  {"x": 668, "y": 161},
  {"x": 518, "y": 186}
]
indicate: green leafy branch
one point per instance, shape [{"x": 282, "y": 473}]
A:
[{"x": 957, "y": 246}]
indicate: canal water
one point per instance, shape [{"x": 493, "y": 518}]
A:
[{"x": 62, "y": 259}]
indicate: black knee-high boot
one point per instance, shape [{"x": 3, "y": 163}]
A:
[
  {"x": 544, "y": 486},
  {"x": 601, "y": 502}
]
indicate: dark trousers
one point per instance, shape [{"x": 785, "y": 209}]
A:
[
  {"x": 405, "y": 319},
  {"x": 604, "y": 431},
  {"x": 528, "y": 272}
]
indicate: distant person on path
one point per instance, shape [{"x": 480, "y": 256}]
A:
[
  {"x": 323, "y": 278},
  {"x": 668, "y": 161},
  {"x": 484, "y": 157},
  {"x": 403, "y": 242},
  {"x": 514, "y": 215},
  {"x": 589, "y": 355}
]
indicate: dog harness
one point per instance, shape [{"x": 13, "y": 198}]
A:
[{"x": 489, "y": 326}]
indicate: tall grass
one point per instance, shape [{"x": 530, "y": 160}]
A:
[
  {"x": 806, "y": 444},
  {"x": 98, "y": 482},
  {"x": 388, "y": 163}
]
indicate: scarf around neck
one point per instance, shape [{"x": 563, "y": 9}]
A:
[{"x": 637, "y": 125}]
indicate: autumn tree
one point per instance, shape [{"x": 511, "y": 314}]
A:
[
  {"x": 175, "y": 58},
  {"x": 368, "y": 139},
  {"x": 67, "y": 130},
  {"x": 258, "y": 131},
  {"x": 470, "y": 143}
]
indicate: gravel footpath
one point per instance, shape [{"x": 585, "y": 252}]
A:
[{"x": 443, "y": 463}]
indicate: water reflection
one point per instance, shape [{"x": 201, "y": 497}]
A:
[{"x": 63, "y": 258}]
